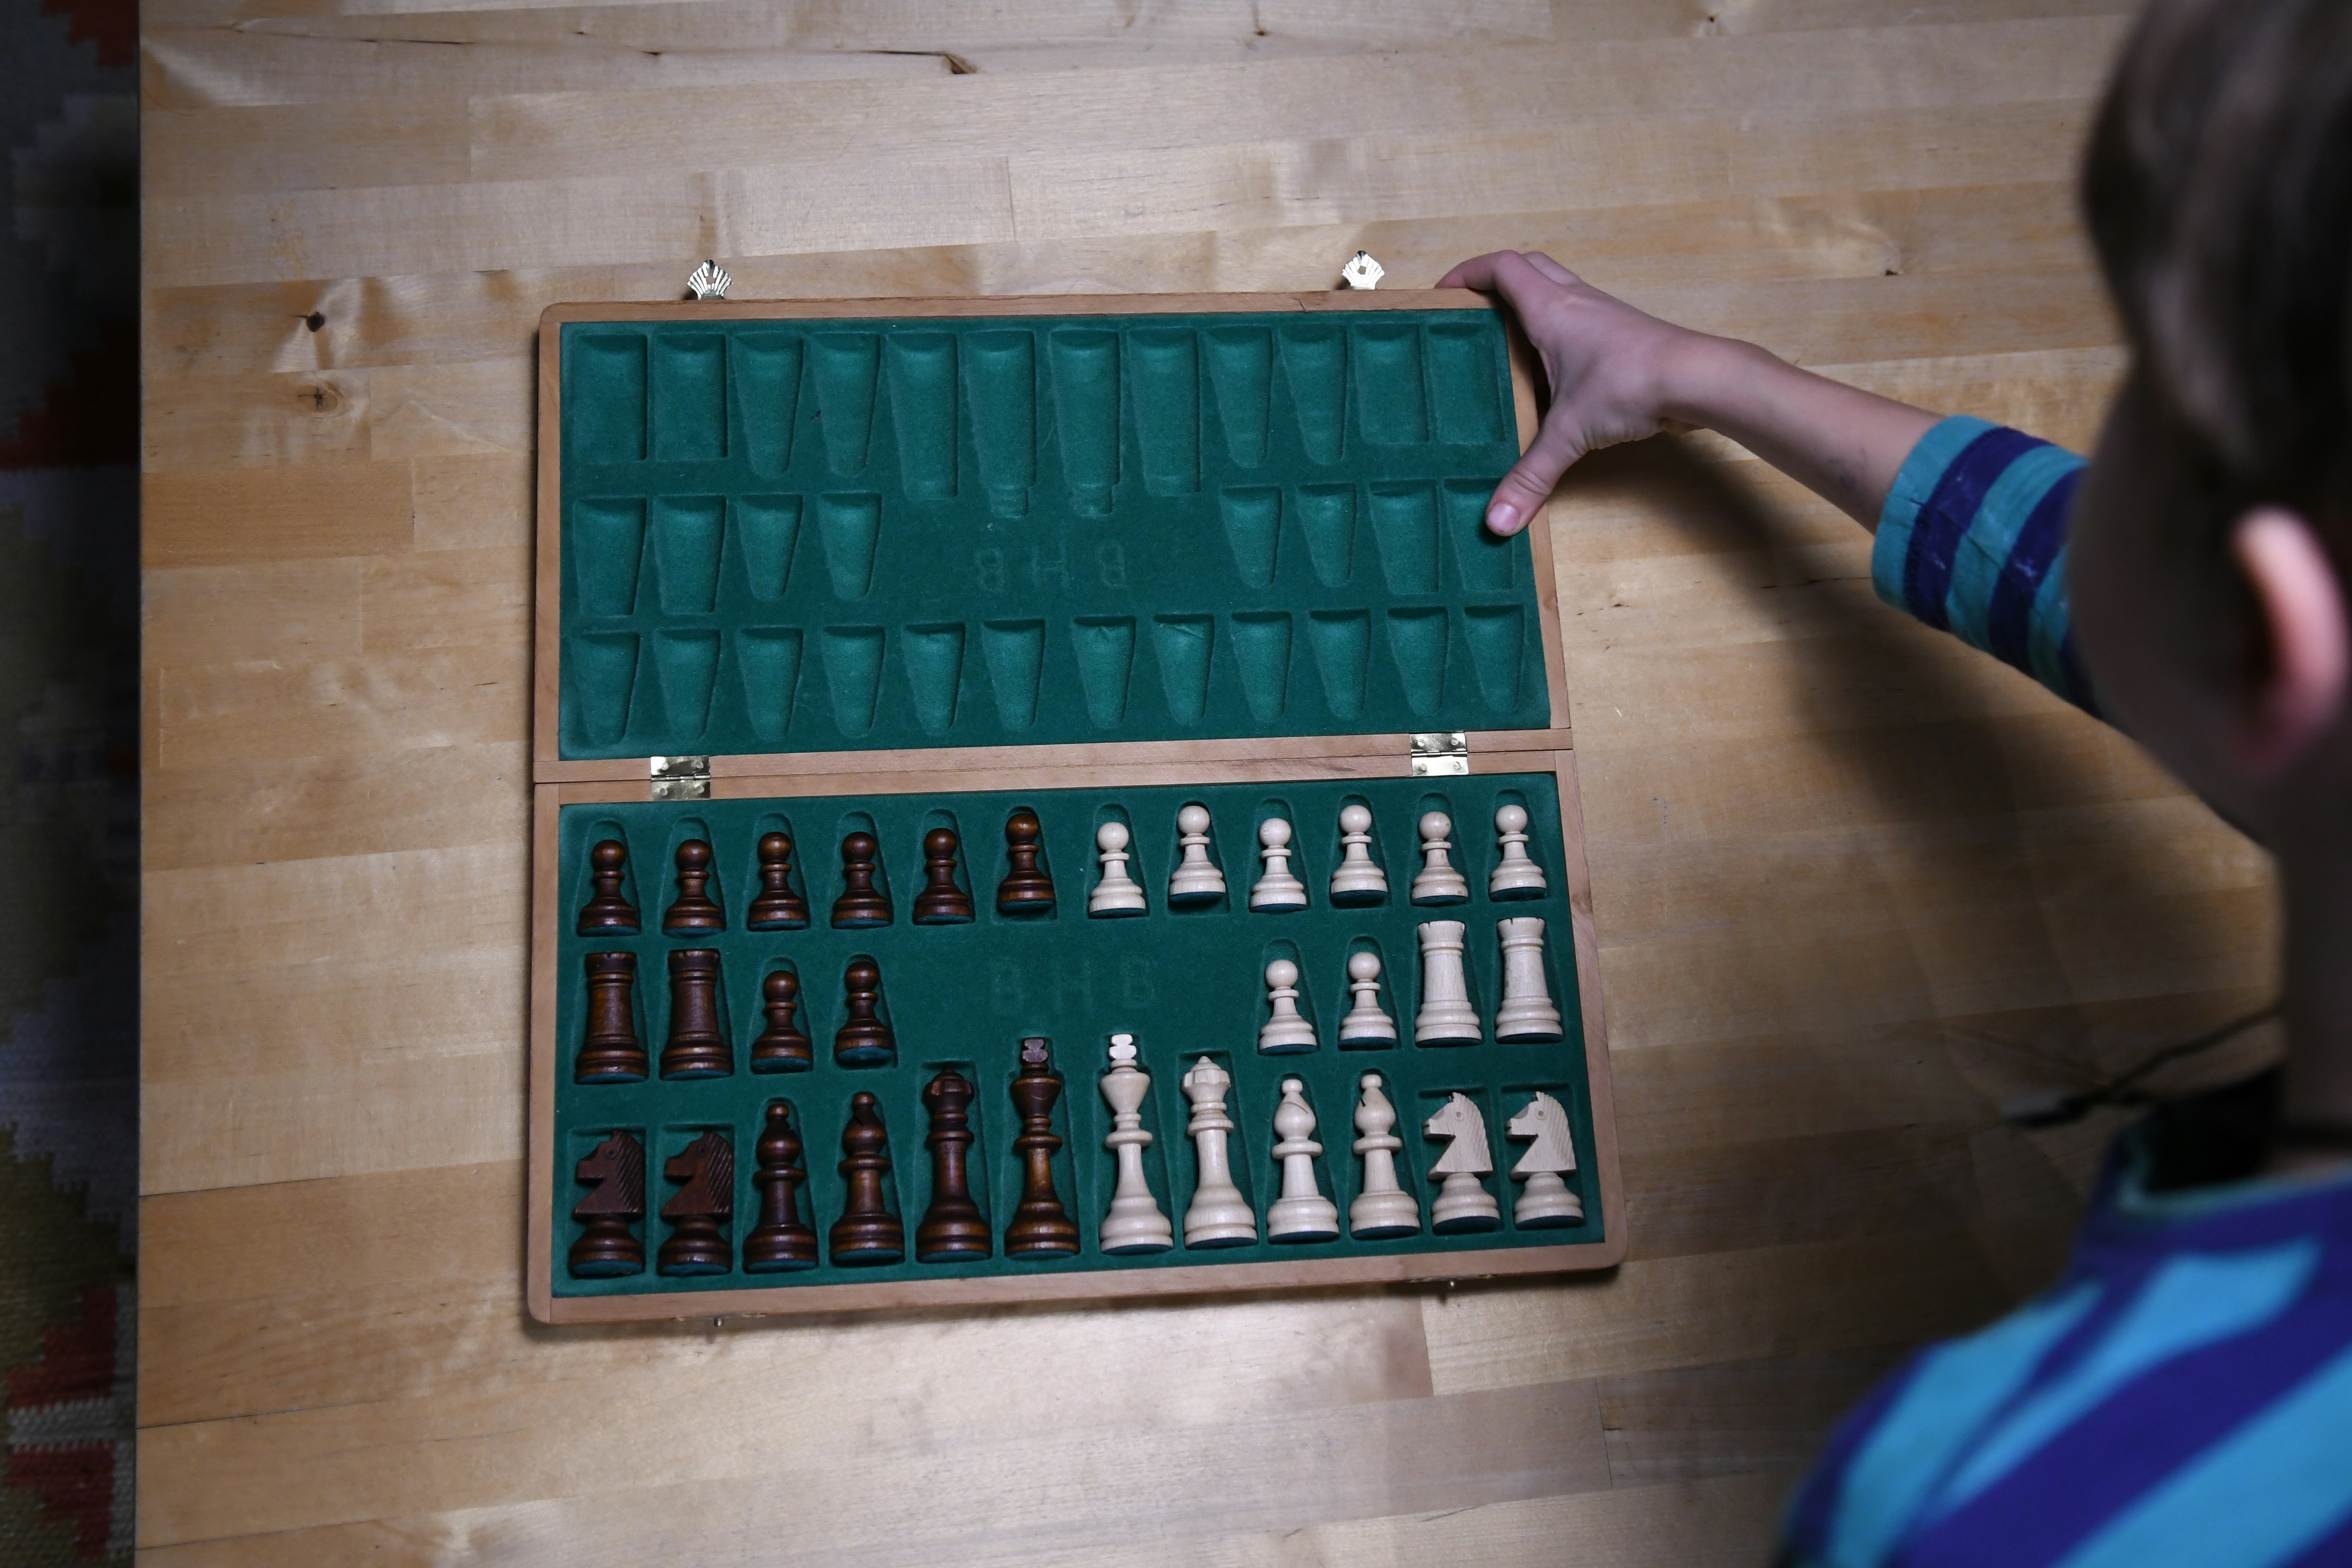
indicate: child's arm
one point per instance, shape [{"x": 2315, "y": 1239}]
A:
[{"x": 1617, "y": 375}]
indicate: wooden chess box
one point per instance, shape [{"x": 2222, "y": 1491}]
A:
[{"x": 888, "y": 566}]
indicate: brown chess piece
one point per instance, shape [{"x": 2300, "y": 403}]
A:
[
  {"x": 608, "y": 1247},
  {"x": 694, "y": 909},
  {"x": 953, "y": 1225},
  {"x": 612, "y": 1052},
  {"x": 1026, "y": 889},
  {"x": 780, "y": 1240},
  {"x": 777, "y": 907},
  {"x": 782, "y": 1048},
  {"x": 1041, "y": 1227},
  {"x": 607, "y": 909},
  {"x": 861, "y": 902},
  {"x": 696, "y": 1047},
  {"x": 699, "y": 1211},
  {"x": 864, "y": 1039},
  {"x": 866, "y": 1231},
  {"x": 941, "y": 902}
]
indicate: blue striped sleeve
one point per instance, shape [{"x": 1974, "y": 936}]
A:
[{"x": 1972, "y": 540}]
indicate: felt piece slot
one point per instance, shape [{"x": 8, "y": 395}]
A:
[
  {"x": 846, "y": 364},
  {"x": 688, "y": 663},
  {"x": 1241, "y": 373},
  {"x": 1086, "y": 415},
  {"x": 604, "y": 396},
  {"x": 604, "y": 678},
  {"x": 1462, "y": 385},
  {"x": 1315, "y": 363},
  {"x": 1001, "y": 370},
  {"x": 689, "y": 397},
  {"x": 1184, "y": 645},
  {"x": 1496, "y": 635},
  {"x": 767, "y": 529},
  {"x": 1262, "y": 648},
  {"x": 1166, "y": 370},
  {"x": 611, "y": 538},
  {"x": 1105, "y": 648},
  {"x": 851, "y": 528},
  {"x": 1342, "y": 641},
  {"x": 768, "y": 392},
  {"x": 1389, "y": 402},
  {"x": 1417, "y": 640},
  {"x": 1327, "y": 513},
  {"x": 770, "y": 658},
  {"x": 1404, "y": 527},
  {"x": 1015, "y": 654},
  {"x": 1252, "y": 517},
  {"x": 853, "y": 675},
  {"x": 934, "y": 660},
  {"x": 922, "y": 370},
  {"x": 688, "y": 531},
  {"x": 1481, "y": 561}
]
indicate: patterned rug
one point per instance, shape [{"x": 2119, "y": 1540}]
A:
[{"x": 69, "y": 748}]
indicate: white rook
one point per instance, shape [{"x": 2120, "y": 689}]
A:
[
  {"x": 1526, "y": 1012},
  {"x": 1445, "y": 1016}
]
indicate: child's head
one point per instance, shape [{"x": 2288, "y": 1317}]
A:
[{"x": 2211, "y": 539}]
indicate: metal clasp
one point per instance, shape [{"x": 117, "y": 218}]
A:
[
  {"x": 709, "y": 281},
  {"x": 1363, "y": 272},
  {"x": 680, "y": 778},
  {"x": 1441, "y": 753}
]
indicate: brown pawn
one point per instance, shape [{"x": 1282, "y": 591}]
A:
[
  {"x": 698, "y": 1047},
  {"x": 612, "y": 1052},
  {"x": 606, "y": 909},
  {"x": 699, "y": 1211},
  {"x": 780, "y": 1240},
  {"x": 1026, "y": 889},
  {"x": 861, "y": 902},
  {"x": 866, "y": 1231},
  {"x": 953, "y": 1225},
  {"x": 941, "y": 902},
  {"x": 782, "y": 1048},
  {"x": 694, "y": 908},
  {"x": 608, "y": 1247},
  {"x": 863, "y": 1039},
  {"x": 1041, "y": 1227},
  {"x": 777, "y": 907}
]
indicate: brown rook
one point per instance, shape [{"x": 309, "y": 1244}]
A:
[
  {"x": 777, "y": 907},
  {"x": 696, "y": 1047},
  {"x": 612, "y": 1052},
  {"x": 606, "y": 909},
  {"x": 941, "y": 902},
  {"x": 864, "y": 1039},
  {"x": 1041, "y": 1227},
  {"x": 1026, "y": 889},
  {"x": 782, "y": 1048},
  {"x": 861, "y": 902},
  {"x": 694, "y": 909},
  {"x": 866, "y": 1231},
  {"x": 953, "y": 1225},
  {"x": 780, "y": 1240},
  {"x": 699, "y": 1211},
  {"x": 617, "y": 1170}
]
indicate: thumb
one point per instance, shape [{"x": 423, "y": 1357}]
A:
[{"x": 1530, "y": 482}]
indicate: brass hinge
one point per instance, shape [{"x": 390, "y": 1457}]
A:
[
  {"x": 681, "y": 778},
  {"x": 1440, "y": 754}
]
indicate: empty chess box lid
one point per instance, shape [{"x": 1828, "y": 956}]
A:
[{"x": 840, "y": 526}]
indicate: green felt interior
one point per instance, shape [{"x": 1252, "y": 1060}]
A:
[
  {"x": 1185, "y": 983},
  {"x": 975, "y": 532}
]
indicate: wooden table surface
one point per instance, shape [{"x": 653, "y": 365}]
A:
[{"x": 1854, "y": 884}]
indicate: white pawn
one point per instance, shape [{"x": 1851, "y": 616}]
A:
[
  {"x": 1383, "y": 1208},
  {"x": 1218, "y": 1215},
  {"x": 1117, "y": 894},
  {"x": 1545, "y": 1203},
  {"x": 1437, "y": 882},
  {"x": 1136, "y": 1222},
  {"x": 1464, "y": 1203},
  {"x": 1196, "y": 878},
  {"x": 1515, "y": 876},
  {"x": 1285, "y": 1031},
  {"x": 1445, "y": 1016},
  {"x": 1302, "y": 1213},
  {"x": 1526, "y": 1012},
  {"x": 1358, "y": 877},
  {"x": 1366, "y": 1022},
  {"x": 1277, "y": 890}
]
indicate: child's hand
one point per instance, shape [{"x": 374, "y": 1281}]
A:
[{"x": 1606, "y": 360}]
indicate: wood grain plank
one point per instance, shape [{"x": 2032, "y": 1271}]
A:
[{"x": 280, "y": 513}]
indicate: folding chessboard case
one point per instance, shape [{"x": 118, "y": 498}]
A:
[{"x": 819, "y": 566}]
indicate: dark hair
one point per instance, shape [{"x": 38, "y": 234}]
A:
[{"x": 2218, "y": 190}]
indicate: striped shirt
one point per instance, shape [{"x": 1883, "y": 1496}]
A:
[
  {"x": 1972, "y": 540},
  {"x": 2182, "y": 1398}
]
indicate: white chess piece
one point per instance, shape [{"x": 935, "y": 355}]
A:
[
  {"x": 1136, "y": 1222},
  {"x": 1277, "y": 890},
  {"x": 1544, "y": 1203},
  {"x": 1366, "y": 1022},
  {"x": 1382, "y": 1208},
  {"x": 1526, "y": 1012},
  {"x": 1285, "y": 1030},
  {"x": 1196, "y": 878},
  {"x": 1515, "y": 876},
  {"x": 1358, "y": 877},
  {"x": 1302, "y": 1213},
  {"x": 1464, "y": 1203},
  {"x": 1437, "y": 882},
  {"x": 1218, "y": 1215},
  {"x": 1445, "y": 1016},
  {"x": 1118, "y": 894}
]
